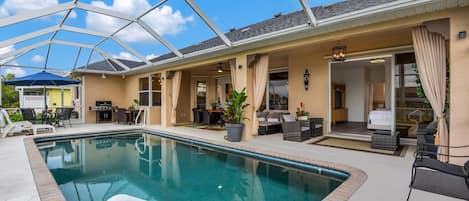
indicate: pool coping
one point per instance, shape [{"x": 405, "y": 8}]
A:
[{"x": 48, "y": 189}]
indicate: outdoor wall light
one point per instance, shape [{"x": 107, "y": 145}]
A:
[
  {"x": 219, "y": 68},
  {"x": 103, "y": 76},
  {"x": 240, "y": 66},
  {"x": 462, "y": 35},
  {"x": 339, "y": 52},
  {"x": 306, "y": 79}
]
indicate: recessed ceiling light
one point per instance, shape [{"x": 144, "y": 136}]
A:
[{"x": 377, "y": 60}]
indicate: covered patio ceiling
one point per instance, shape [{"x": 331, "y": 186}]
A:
[{"x": 305, "y": 19}]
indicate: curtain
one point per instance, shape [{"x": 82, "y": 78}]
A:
[
  {"x": 261, "y": 71},
  {"x": 430, "y": 55},
  {"x": 233, "y": 72},
  {"x": 176, "y": 86}
]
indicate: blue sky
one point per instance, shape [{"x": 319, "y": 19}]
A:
[{"x": 174, "y": 20}]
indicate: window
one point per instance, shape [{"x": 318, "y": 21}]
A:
[
  {"x": 278, "y": 91},
  {"x": 33, "y": 92},
  {"x": 143, "y": 90},
  {"x": 155, "y": 90},
  {"x": 201, "y": 94}
]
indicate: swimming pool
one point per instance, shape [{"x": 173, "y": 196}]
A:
[{"x": 155, "y": 166}]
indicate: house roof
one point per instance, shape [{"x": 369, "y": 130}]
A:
[{"x": 274, "y": 24}]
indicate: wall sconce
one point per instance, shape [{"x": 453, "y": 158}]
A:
[
  {"x": 462, "y": 35},
  {"x": 306, "y": 79},
  {"x": 240, "y": 66},
  {"x": 339, "y": 52},
  {"x": 103, "y": 76}
]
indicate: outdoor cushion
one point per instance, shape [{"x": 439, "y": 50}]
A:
[
  {"x": 268, "y": 123},
  {"x": 318, "y": 126},
  {"x": 288, "y": 118},
  {"x": 304, "y": 128},
  {"x": 261, "y": 119}
]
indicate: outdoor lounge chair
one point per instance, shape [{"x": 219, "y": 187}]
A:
[
  {"x": 21, "y": 126},
  {"x": 432, "y": 172},
  {"x": 295, "y": 130}
]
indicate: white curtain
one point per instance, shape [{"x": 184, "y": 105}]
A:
[
  {"x": 233, "y": 73},
  {"x": 261, "y": 71},
  {"x": 430, "y": 54},
  {"x": 176, "y": 86}
]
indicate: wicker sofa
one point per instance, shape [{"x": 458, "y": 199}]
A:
[{"x": 269, "y": 123}]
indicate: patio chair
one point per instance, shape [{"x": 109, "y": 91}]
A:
[
  {"x": 122, "y": 116},
  {"x": 29, "y": 114},
  {"x": 295, "y": 130},
  {"x": 62, "y": 115},
  {"x": 437, "y": 171},
  {"x": 20, "y": 126},
  {"x": 197, "y": 115}
]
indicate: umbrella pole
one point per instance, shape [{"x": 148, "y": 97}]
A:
[{"x": 45, "y": 98}]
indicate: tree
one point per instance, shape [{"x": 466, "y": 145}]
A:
[{"x": 10, "y": 97}]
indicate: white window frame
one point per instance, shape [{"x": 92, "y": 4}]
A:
[{"x": 150, "y": 96}]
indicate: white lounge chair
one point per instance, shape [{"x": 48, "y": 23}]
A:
[{"x": 20, "y": 126}]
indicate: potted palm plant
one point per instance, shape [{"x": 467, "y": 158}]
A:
[{"x": 234, "y": 115}]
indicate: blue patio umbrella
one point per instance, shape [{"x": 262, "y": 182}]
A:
[{"x": 42, "y": 79}]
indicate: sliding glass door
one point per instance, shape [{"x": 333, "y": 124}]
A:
[{"x": 412, "y": 109}]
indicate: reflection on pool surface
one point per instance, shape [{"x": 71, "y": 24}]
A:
[{"x": 156, "y": 168}]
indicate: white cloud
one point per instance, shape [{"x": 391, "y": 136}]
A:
[
  {"x": 5, "y": 50},
  {"x": 151, "y": 56},
  {"x": 125, "y": 55},
  {"x": 13, "y": 7},
  {"x": 18, "y": 72},
  {"x": 37, "y": 58},
  {"x": 163, "y": 20}
]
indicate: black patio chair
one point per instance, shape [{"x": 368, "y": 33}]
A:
[
  {"x": 62, "y": 115},
  {"x": 426, "y": 159},
  {"x": 30, "y": 115},
  {"x": 197, "y": 115}
]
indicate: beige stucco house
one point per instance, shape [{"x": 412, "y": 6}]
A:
[{"x": 376, "y": 34}]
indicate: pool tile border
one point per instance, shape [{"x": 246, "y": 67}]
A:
[{"x": 49, "y": 190}]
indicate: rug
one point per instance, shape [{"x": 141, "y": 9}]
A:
[
  {"x": 212, "y": 128},
  {"x": 357, "y": 146}
]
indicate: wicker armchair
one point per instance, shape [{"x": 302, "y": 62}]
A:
[{"x": 295, "y": 130}]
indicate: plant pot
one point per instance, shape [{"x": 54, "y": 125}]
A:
[{"x": 235, "y": 131}]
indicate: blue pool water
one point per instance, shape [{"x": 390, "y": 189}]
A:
[{"x": 152, "y": 167}]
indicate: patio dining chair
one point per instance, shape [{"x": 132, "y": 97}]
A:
[
  {"x": 426, "y": 159},
  {"x": 30, "y": 115},
  {"x": 62, "y": 115}
]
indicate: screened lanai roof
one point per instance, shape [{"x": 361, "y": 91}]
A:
[{"x": 122, "y": 36}]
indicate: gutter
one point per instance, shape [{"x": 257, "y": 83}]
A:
[{"x": 285, "y": 35}]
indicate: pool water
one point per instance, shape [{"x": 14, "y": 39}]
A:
[{"x": 152, "y": 167}]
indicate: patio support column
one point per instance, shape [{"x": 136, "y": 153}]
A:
[
  {"x": 459, "y": 95},
  {"x": 166, "y": 106},
  {"x": 244, "y": 79}
]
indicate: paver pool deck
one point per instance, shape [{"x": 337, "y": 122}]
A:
[{"x": 387, "y": 176}]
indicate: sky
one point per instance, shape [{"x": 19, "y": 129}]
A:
[{"x": 175, "y": 21}]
